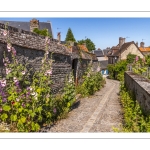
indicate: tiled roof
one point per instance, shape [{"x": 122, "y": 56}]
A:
[
  {"x": 98, "y": 53},
  {"x": 123, "y": 47},
  {"x": 82, "y": 47},
  {"x": 26, "y": 25},
  {"x": 105, "y": 51},
  {"x": 144, "y": 49}
]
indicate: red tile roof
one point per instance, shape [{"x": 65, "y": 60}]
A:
[{"x": 144, "y": 49}]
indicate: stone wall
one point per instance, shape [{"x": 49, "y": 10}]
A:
[
  {"x": 31, "y": 40},
  {"x": 30, "y": 48},
  {"x": 140, "y": 87}
]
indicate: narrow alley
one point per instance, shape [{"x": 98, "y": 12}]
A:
[{"x": 98, "y": 113}]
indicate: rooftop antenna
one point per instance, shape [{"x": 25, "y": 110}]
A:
[{"x": 59, "y": 31}]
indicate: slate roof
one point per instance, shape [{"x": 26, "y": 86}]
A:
[
  {"x": 26, "y": 25},
  {"x": 103, "y": 64},
  {"x": 105, "y": 51},
  {"x": 98, "y": 53}
]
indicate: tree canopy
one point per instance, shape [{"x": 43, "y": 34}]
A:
[
  {"x": 89, "y": 44},
  {"x": 70, "y": 36}
]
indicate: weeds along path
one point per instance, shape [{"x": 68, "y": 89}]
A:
[{"x": 98, "y": 113}]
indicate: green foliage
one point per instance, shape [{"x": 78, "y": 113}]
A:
[
  {"x": 89, "y": 44},
  {"x": 70, "y": 36},
  {"x": 67, "y": 99},
  {"x": 43, "y": 32},
  {"x": 26, "y": 100},
  {"x": 92, "y": 82},
  {"x": 130, "y": 58},
  {"x": 135, "y": 119},
  {"x": 147, "y": 58},
  {"x": 116, "y": 71}
]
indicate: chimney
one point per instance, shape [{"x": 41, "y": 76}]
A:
[
  {"x": 34, "y": 23},
  {"x": 121, "y": 41},
  {"x": 59, "y": 37},
  {"x": 137, "y": 44},
  {"x": 142, "y": 44}
]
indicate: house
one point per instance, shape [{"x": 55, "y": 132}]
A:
[
  {"x": 103, "y": 66},
  {"x": 29, "y": 26},
  {"x": 103, "y": 59},
  {"x": 145, "y": 50},
  {"x": 101, "y": 54},
  {"x": 121, "y": 51}
]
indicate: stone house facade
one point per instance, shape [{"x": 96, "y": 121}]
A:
[{"x": 121, "y": 51}]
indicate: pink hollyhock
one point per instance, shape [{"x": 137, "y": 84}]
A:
[
  {"x": 8, "y": 71},
  {"x": 3, "y": 82},
  {"x": 9, "y": 46},
  {"x": 13, "y": 51},
  {"x": 137, "y": 58},
  {"x": 5, "y": 32}
]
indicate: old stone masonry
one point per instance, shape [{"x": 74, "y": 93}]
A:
[{"x": 98, "y": 113}]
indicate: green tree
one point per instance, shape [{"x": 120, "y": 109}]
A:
[
  {"x": 89, "y": 44},
  {"x": 70, "y": 36},
  {"x": 43, "y": 32}
]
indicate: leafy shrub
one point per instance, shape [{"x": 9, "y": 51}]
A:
[
  {"x": 135, "y": 119},
  {"x": 92, "y": 82},
  {"x": 43, "y": 32},
  {"x": 26, "y": 104},
  {"x": 116, "y": 71}
]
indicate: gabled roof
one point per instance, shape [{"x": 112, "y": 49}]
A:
[
  {"x": 105, "y": 51},
  {"x": 98, "y": 53},
  {"x": 123, "y": 47},
  {"x": 26, "y": 25}
]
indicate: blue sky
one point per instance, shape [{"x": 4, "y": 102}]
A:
[{"x": 104, "y": 32}]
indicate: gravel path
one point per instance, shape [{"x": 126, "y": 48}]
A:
[{"x": 98, "y": 113}]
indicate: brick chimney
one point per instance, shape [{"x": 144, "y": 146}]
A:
[
  {"x": 137, "y": 44},
  {"x": 59, "y": 37},
  {"x": 142, "y": 44},
  {"x": 34, "y": 23},
  {"x": 121, "y": 41}
]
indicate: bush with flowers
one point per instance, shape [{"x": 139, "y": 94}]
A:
[
  {"x": 92, "y": 82},
  {"x": 26, "y": 101}
]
